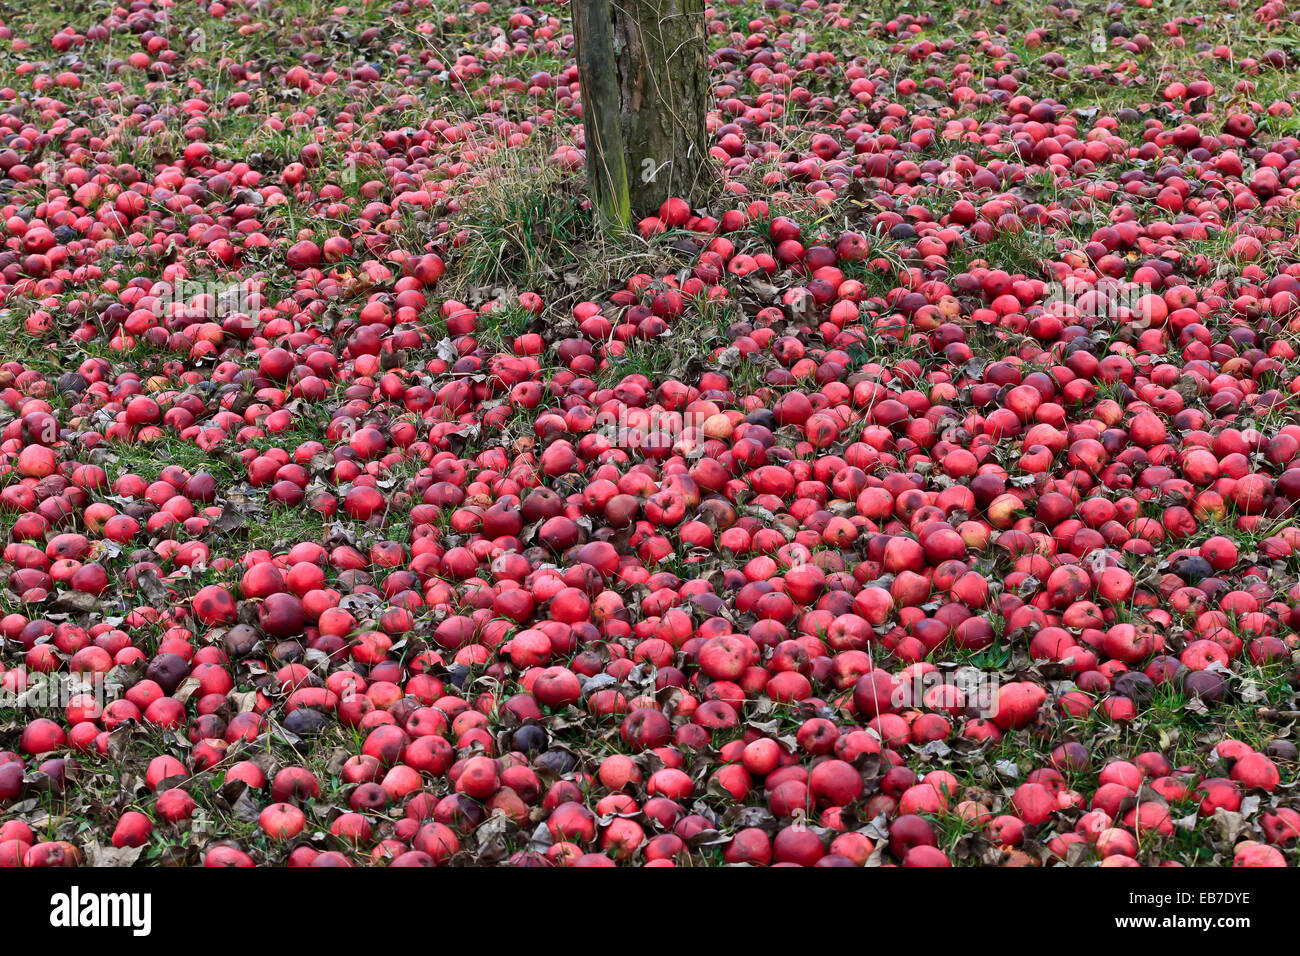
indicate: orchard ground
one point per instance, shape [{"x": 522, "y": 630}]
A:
[{"x": 926, "y": 499}]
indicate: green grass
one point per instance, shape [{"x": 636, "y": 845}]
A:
[{"x": 148, "y": 459}]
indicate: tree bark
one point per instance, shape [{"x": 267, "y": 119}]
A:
[
  {"x": 660, "y": 58},
  {"x": 607, "y": 175}
]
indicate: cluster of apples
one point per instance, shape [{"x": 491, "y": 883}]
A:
[{"x": 985, "y": 398}]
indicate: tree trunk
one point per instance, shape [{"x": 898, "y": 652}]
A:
[
  {"x": 659, "y": 55},
  {"x": 607, "y": 176}
]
